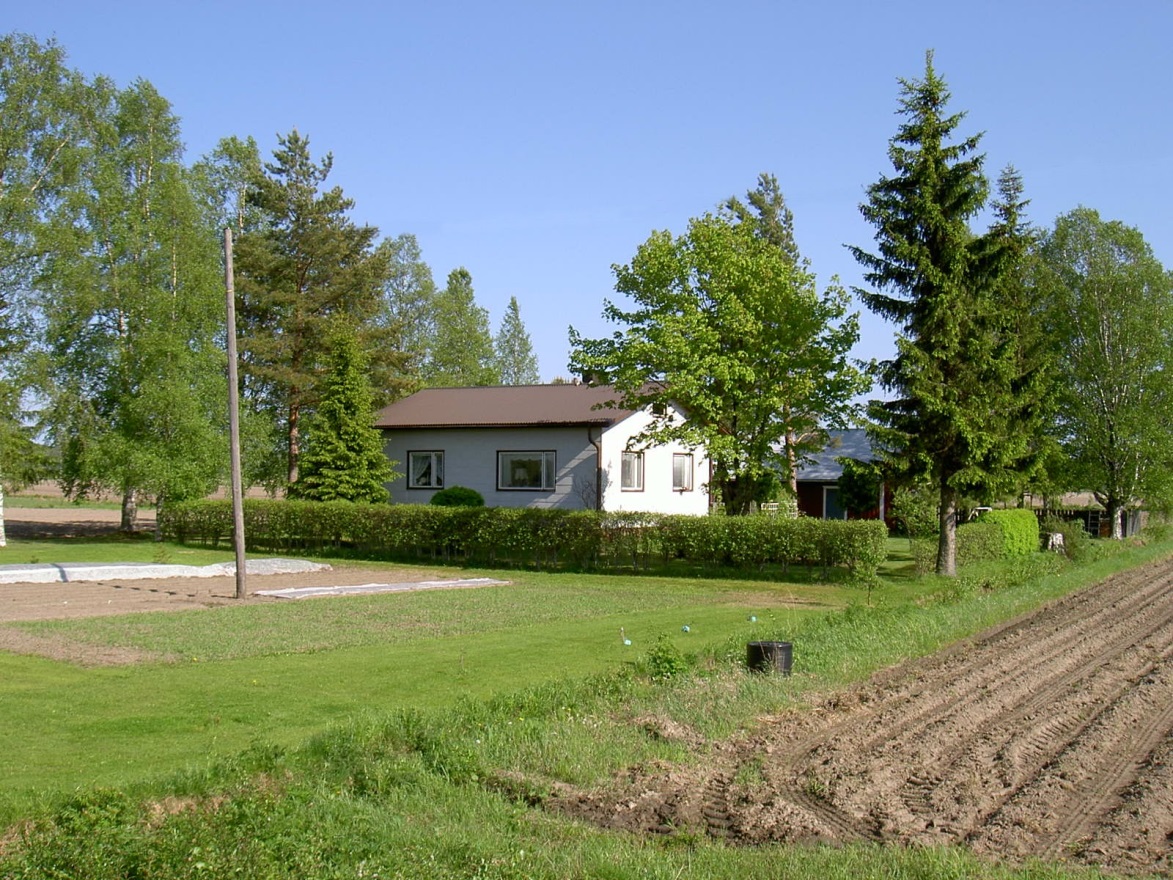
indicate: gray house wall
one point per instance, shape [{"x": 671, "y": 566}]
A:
[{"x": 470, "y": 459}]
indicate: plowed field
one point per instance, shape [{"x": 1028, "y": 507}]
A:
[{"x": 1049, "y": 737}]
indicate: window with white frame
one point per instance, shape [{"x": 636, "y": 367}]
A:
[
  {"x": 632, "y": 472},
  {"x": 425, "y": 470},
  {"x": 526, "y": 470},
  {"x": 681, "y": 472}
]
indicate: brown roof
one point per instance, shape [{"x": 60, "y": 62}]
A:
[{"x": 503, "y": 405}]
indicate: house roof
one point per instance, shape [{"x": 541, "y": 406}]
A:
[
  {"x": 503, "y": 406},
  {"x": 823, "y": 466}
]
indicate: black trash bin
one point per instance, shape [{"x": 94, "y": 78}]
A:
[{"x": 769, "y": 656}]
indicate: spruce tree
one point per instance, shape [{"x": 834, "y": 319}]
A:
[
  {"x": 514, "y": 353},
  {"x": 344, "y": 459},
  {"x": 937, "y": 281}
]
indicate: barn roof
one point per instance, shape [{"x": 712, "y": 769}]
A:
[{"x": 824, "y": 467}]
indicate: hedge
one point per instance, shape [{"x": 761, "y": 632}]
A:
[
  {"x": 502, "y": 536},
  {"x": 1020, "y": 530}
]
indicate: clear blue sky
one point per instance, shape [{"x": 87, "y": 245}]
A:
[{"x": 536, "y": 144}]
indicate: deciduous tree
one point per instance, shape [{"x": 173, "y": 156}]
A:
[
  {"x": 38, "y": 135},
  {"x": 729, "y": 326},
  {"x": 513, "y": 352},
  {"x": 462, "y": 347},
  {"x": 1110, "y": 308},
  {"x": 129, "y": 297}
]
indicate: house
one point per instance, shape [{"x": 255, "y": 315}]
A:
[
  {"x": 551, "y": 446},
  {"x": 818, "y": 478}
]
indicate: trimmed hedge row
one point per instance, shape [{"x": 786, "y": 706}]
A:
[
  {"x": 502, "y": 536},
  {"x": 998, "y": 534},
  {"x": 1020, "y": 530}
]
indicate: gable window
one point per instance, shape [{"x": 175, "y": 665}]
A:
[
  {"x": 425, "y": 470},
  {"x": 632, "y": 475},
  {"x": 681, "y": 472},
  {"x": 526, "y": 470}
]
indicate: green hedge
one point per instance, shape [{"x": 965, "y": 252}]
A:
[
  {"x": 976, "y": 542},
  {"x": 503, "y": 536},
  {"x": 1020, "y": 530}
]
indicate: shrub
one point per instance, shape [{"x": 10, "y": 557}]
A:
[
  {"x": 458, "y": 496},
  {"x": 979, "y": 542},
  {"x": 1020, "y": 530}
]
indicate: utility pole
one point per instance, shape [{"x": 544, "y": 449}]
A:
[{"x": 234, "y": 419}]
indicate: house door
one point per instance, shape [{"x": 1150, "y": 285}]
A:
[{"x": 831, "y": 507}]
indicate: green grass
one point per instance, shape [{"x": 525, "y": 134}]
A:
[
  {"x": 279, "y": 672},
  {"x": 375, "y": 722}
]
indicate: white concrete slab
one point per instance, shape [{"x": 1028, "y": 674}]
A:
[{"x": 70, "y": 572}]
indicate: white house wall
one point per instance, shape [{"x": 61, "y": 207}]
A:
[
  {"x": 657, "y": 493},
  {"x": 470, "y": 460}
]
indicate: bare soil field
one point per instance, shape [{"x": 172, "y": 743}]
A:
[
  {"x": 1049, "y": 737},
  {"x": 56, "y": 601}
]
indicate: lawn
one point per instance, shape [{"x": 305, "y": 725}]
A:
[{"x": 235, "y": 676}]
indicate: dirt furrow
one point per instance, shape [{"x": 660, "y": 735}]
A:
[
  {"x": 1049, "y": 736},
  {"x": 908, "y": 734}
]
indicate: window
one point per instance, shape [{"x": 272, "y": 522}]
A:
[
  {"x": 682, "y": 472},
  {"x": 425, "y": 470},
  {"x": 525, "y": 470},
  {"x": 632, "y": 476}
]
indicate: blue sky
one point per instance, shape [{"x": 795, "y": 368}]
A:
[{"x": 536, "y": 144}]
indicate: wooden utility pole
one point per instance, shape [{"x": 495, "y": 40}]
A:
[{"x": 234, "y": 419}]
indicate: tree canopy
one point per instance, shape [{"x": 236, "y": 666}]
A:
[
  {"x": 726, "y": 324},
  {"x": 1109, "y": 308}
]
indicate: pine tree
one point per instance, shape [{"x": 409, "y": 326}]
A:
[
  {"x": 462, "y": 348},
  {"x": 344, "y": 459},
  {"x": 950, "y": 375},
  {"x": 513, "y": 352},
  {"x": 302, "y": 264}
]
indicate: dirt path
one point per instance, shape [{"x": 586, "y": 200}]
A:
[{"x": 1050, "y": 737}]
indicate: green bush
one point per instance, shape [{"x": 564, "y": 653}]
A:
[
  {"x": 538, "y": 537},
  {"x": 458, "y": 496},
  {"x": 979, "y": 542},
  {"x": 1020, "y": 530}
]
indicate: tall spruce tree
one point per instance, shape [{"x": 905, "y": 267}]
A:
[
  {"x": 462, "y": 348},
  {"x": 937, "y": 281},
  {"x": 303, "y": 263},
  {"x": 344, "y": 459},
  {"x": 512, "y": 350}
]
